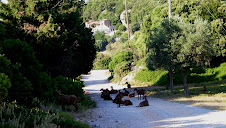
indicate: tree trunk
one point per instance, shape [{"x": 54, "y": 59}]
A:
[
  {"x": 186, "y": 90},
  {"x": 168, "y": 84},
  {"x": 171, "y": 81}
]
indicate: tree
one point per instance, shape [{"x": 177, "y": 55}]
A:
[
  {"x": 100, "y": 41},
  {"x": 180, "y": 44},
  {"x": 196, "y": 47},
  {"x": 162, "y": 54},
  {"x": 56, "y": 32}
]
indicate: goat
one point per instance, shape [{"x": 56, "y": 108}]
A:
[
  {"x": 67, "y": 100},
  {"x": 131, "y": 95},
  {"x": 113, "y": 91},
  {"x": 126, "y": 93},
  {"x": 140, "y": 92},
  {"x": 144, "y": 103},
  {"x": 128, "y": 85},
  {"x": 203, "y": 90},
  {"x": 127, "y": 102},
  {"x": 105, "y": 94},
  {"x": 118, "y": 99}
]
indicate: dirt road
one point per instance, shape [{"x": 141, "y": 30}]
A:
[{"x": 160, "y": 113}]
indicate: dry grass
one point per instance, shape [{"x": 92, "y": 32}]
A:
[
  {"x": 214, "y": 102},
  {"x": 214, "y": 98}
]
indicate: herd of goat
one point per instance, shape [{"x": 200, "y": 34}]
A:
[{"x": 105, "y": 94}]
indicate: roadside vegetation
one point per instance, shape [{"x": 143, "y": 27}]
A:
[
  {"x": 43, "y": 48},
  {"x": 182, "y": 55}
]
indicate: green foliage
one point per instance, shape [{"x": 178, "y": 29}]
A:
[
  {"x": 119, "y": 57},
  {"x": 134, "y": 27},
  {"x": 117, "y": 34},
  {"x": 44, "y": 47},
  {"x": 103, "y": 9},
  {"x": 124, "y": 37},
  {"x": 101, "y": 62},
  {"x": 209, "y": 74},
  {"x": 117, "y": 26},
  {"x": 122, "y": 28},
  {"x": 5, "y": 84},
  {"x": 157, "y": 77},
  {"x": 12, "y": 115},
  {"x": 100, "y": 41},
  {"x": 56, "y": 33},
  {"x": 67, "y": 120},
  {"x": 121, "y": 69},
  {"x": 70, "y": 87},
  {"x": 197, "y": 75},
  {"x": 2, "y": 31}
]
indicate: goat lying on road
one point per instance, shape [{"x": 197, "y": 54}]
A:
[
  {"x": 113, "y": 91},
  {"x": 127, "y": 102},
  {"x": 144, "y": 103}
]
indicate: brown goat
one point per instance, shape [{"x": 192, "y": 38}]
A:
[
  {"x": 67, "y": 100},
  {"x": 144, "y": 103},
  {"x": 131, "y": 95},
  {"x": 112, "y": 91},
  {"x": 203, "y": 90},
  {"x": 127, "y": 102},
  {"x": 140, "y": 92},
  {"x": 128, "y": 85},
  {"x": 126, "y": 93},
  {"x": 118, "y": 99}
]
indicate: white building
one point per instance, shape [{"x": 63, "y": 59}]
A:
[{"x": 103, "y": 25}]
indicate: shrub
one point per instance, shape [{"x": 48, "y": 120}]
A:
[
  {"x": 134, "y": 27},
  {"x": 158, "y": 77},
  {"x": 117, "y": 25},
  {"x": 120, "y": 57},
  {"x": 5, "y": 84},
  {"x": 197, "y": 75},
  {"x": 101, "y": 62},
  {"x": 122, "y": 28},
  {"x": 209, "y": 74},
  {"x": 100, "y": 41},
  {"x": 15, "y": 116},
  {"x": 124, "y": 37},
  {"x": 121, "y": 69},
  {"x": 117, "y": 34}
]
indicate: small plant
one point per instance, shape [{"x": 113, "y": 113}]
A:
[{"x": 15, "y": 116}]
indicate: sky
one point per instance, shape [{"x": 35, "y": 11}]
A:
[{"x": 5, "y": 1}]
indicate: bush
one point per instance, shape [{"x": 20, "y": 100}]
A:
[
  {"x": 117, "y": 34},
  {"x": 120, "y": 57},
  {"x": 134, "y": 27},
  {"x": 14, "y": 116},
  {"x": 121, "y": 69},
  {"x": 117, "y": 25},
  {"x": 209, "y": 74},
  {"x": 158, "y": 77},
  {"x": 122, "y": 28},
  {"x": 124, "y": 37},
  {"x": 101, "y": 62},
  {"x": 197, "y": 75},
  {"x": 5, "y": 84}
]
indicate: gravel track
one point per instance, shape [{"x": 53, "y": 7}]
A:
[{"x": 160, "y": 113}]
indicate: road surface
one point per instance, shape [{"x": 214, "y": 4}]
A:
[{"x": 160, "y": 113}]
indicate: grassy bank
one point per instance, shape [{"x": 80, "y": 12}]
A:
[{"x": 214, "y": 98}]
